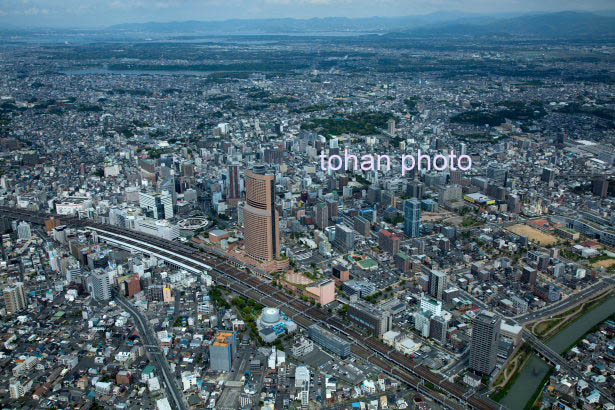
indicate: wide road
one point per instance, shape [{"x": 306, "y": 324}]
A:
[
  {"x": 155, "y": 353},
  {"x": 602, "y": 285}
]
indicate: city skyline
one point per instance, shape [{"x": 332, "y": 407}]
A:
[{"x": 226, "y": 215}]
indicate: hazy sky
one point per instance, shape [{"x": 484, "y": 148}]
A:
[{"x": 106, "y": 12}]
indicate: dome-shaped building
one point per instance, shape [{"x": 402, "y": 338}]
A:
[
  {"x": 271, "y": 316},
  {"x": 272, "y": 323}
]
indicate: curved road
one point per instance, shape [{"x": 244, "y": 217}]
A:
[{"x": 154, "y": 351}]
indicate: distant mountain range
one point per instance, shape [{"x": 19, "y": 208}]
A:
[
  {"x": 292, "y": 25},
  {"x": 560, "y": 24}
]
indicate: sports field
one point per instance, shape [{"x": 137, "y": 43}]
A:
[
  {"x": 533, "y": 234},
  {"x": 607, "y": 263}
]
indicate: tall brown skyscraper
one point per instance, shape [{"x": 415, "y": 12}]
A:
[
  {"x": 233, "y": 184},
  {"x": 261, "y": 220}
]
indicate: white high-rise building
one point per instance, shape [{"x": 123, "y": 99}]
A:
[
  {"x": 23, "y": 231},
  {"x": 302, "y": 382},
  {"x": 16, "y": 389},
  {"x": 100, "y": 285},
  {"x": 157, "y": 206},
  {"x": 302, "y": 374},
  {"x": 431, "y": 305}
]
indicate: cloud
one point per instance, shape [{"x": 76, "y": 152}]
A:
[
  {"x": 33, "y": 11},
  {"x": 107, "y": 12}
]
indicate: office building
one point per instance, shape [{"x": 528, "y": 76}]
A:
[
  {"x": 431, "y": 305},
  {"x": 16, "y": 389},
  {"x": 600, "y": 186},
  {"x": 415, "y": 189},
  {"x": 340, "y": 273},
  {"x": 329, "y": 341},
  {"x": 438, "y": 326},
  {"x": 496, "y": 173},
  {"x": 391, "y": 127},
  {"x": 234, "y": 188},
  {"x": 422, "y": 323},
  {"x": 528, "y": 276},
  {"x": 100, "y": 285},
  {"x": 222, "y": 351},
  {"x": 302, "y": 347},
  {"x": 484, "y": 342},
  {"x": 403, "y": 262},
  {"x": 388, "y": 242},
  {"x": 361, "y": 288},
  {"x": 157, "y": 206},
  {"x": 332, "y": 209},
  {"x": 23, "y": 231},
  {"x": 548, "y": 175},
  {"x": 14, "y": 298},
  {"x": 449, "y": 193},
  {"x": 302, "y": 374},
  {"x": 321, "y": 215},
  {"x": 463, "y": 148},
  {"x": 302, "y": 383},
  {"x": 376, "y": 320},
  {"x": 261, "y": 219},
  {"x": 513, "y": 204},
  {"x": 362, "y": 225},
  {"x": 373, "y": 195},
  {"x": 155, "y": 292},
  {"x": 131, "y": 286},
  {"x": 456, "y": 177},
  {"x": 412, "y": 214},
  {"x": 344, "y": 238},
  {"x": 437, "y": 283}
]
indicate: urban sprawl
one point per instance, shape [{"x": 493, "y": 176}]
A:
[{"x": 173, "y": 237}]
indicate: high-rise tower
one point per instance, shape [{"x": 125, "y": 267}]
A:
[
  {"x": 233, "y": 182},
  {"x": 261, "y": 220},
  {"x": 14, "y": 298},
  {"x": 412, "y": 214},
  {"x": 484, "y": 343}
]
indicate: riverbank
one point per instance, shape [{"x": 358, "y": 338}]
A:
[
  {"x": 548, "y": 328},
  {"x": 525, "y": 386},
  {"x": 509, "y": 375},
  {"x": 522, "y": 355},
  {"x": 538, "y": 391}
]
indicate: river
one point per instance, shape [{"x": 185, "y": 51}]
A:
[{"x": 535, "y": 370}]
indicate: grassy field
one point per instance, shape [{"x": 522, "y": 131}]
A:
[
  {"x": 533, "y": 234},
  {"x": 607, "y": 263}
]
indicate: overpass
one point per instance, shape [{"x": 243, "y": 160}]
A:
[
  {"x": 237, "y": 279},
  {"x": 553, "y": 357}
]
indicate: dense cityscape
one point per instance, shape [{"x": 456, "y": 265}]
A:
[{"x": 172, "y": 240}]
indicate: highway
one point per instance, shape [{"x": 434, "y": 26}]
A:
[
  {"x": 154, "y": 352},
  {"x": 602, "y": 285},
  {"x": 225, "y": 273}
]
